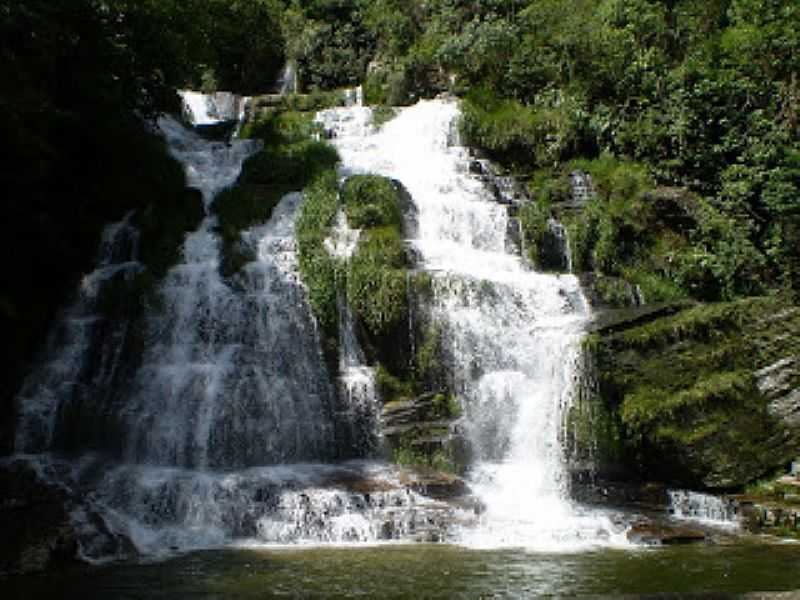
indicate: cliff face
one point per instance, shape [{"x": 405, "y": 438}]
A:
[{"x": 708, "y": 396}]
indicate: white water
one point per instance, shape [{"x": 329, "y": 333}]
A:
[
  {"x": 216, "y": 427},
  {"x": 702, "y": 508},
  {"x": 232, "y": 380},
  {"x": 512, "y": 334},
  {"x": 210, "y": 109},
  {"x": 357, "y": 386},
  {"x": 67, "y": 377}
]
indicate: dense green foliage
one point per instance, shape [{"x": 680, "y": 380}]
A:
[
  {"x": 371, "y": 201},
  {"x": 694, "y": 94},
  {"x": 377, "y": 277}
]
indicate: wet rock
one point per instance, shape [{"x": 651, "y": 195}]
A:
[
  {"x": 435, "y": 484},
  {"x": 553, "y": 248},
  {"x": 648, "y": 496},
  {"x": 221, "y": 131},
  {"x": 37, "y": 530},
  {"x": 608, "y": 322},
  {"x": 659, "y": 534},
  {"x": 397, "y": 416},
  {"x": 780, "y": 385},
  {"x": 691, "y": 359},
  {"x": 582, "y": 190}
]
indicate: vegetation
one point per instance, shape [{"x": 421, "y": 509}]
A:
[
  {"x": 317, "y": 267},
  {"x": 377, "y": 277}
]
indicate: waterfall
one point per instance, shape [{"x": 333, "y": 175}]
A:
[
  {"x": 214, "y": 430},
  {"x": 218, "y": 432},
  {"x": 703, "y": 508},
  {"x": 210, "y": 109},
  {"x": 224, "y": 382},
  {"x": 357, "y": 388},
  {"x": 287, "y": 82},
  {"x": 512, "y": 335},
  {"x": 82, "y": 353}
]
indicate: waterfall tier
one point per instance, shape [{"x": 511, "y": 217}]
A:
[{"x": 511, "y": 335}]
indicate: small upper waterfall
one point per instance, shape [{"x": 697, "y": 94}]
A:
[
  {"x": 512, "y": 335},
  {"x": 209, "y": 109},
  {"x": 703, "y": 508}
]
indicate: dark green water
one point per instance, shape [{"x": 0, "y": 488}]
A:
[{"x": 425, "y": 571}]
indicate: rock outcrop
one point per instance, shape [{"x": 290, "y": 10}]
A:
[{"x": 705, "y": 396}]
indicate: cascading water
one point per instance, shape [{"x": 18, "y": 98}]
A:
[
  {"x": 703, "y": 508},
  {"x": 512, "y": 335},
  {"x": 231, "y": 385},
  {"x": 224, "y": 382},
  {"x": 207, "y": 436},
  {"x": 356, "y": 379},
  {"x": 83, "y": 351}
]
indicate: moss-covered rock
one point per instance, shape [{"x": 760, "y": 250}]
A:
[
  {"x": 290, "y": 161},
  {"x": 686, "y": 391},
  {"x": 372, "y": 201}
]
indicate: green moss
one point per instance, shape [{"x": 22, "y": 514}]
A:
[
  {"x": 699, "y": 323},
  {"x": 407, "y": 453},
  {"x": 314, "y": 100},
  {"x": 540, "y": 134},
  {"x": 278, "y": 127},
  {"x": 378, "y": 281},
  {"x": 286, "y": 166},
  {"x": 371, "y": 201},
  {"x": 238, "y": 208},
  {"x": 446, "y": 406},
  {"x": 533, "y": 217},
  {"x": 648, "y": 405},
  {"x": 290, "y": 166},
  {"x": 683, "y": 387},
  {"x": 166, "y": 218},
  {"x": 430, "y": 371},
  {"x": 392, "y": 388}
]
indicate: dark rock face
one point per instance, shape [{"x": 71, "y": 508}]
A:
[
  {"x": 553, "y": 248},
  {"x": 37, "y": 530},
  {"x": 659, "y": 534},
  {"x": 425, "y": 427}
]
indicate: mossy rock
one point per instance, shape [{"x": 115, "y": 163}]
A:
[
  {"x": 371, "y": 201},
  {"x": 684, "y": 390}
]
